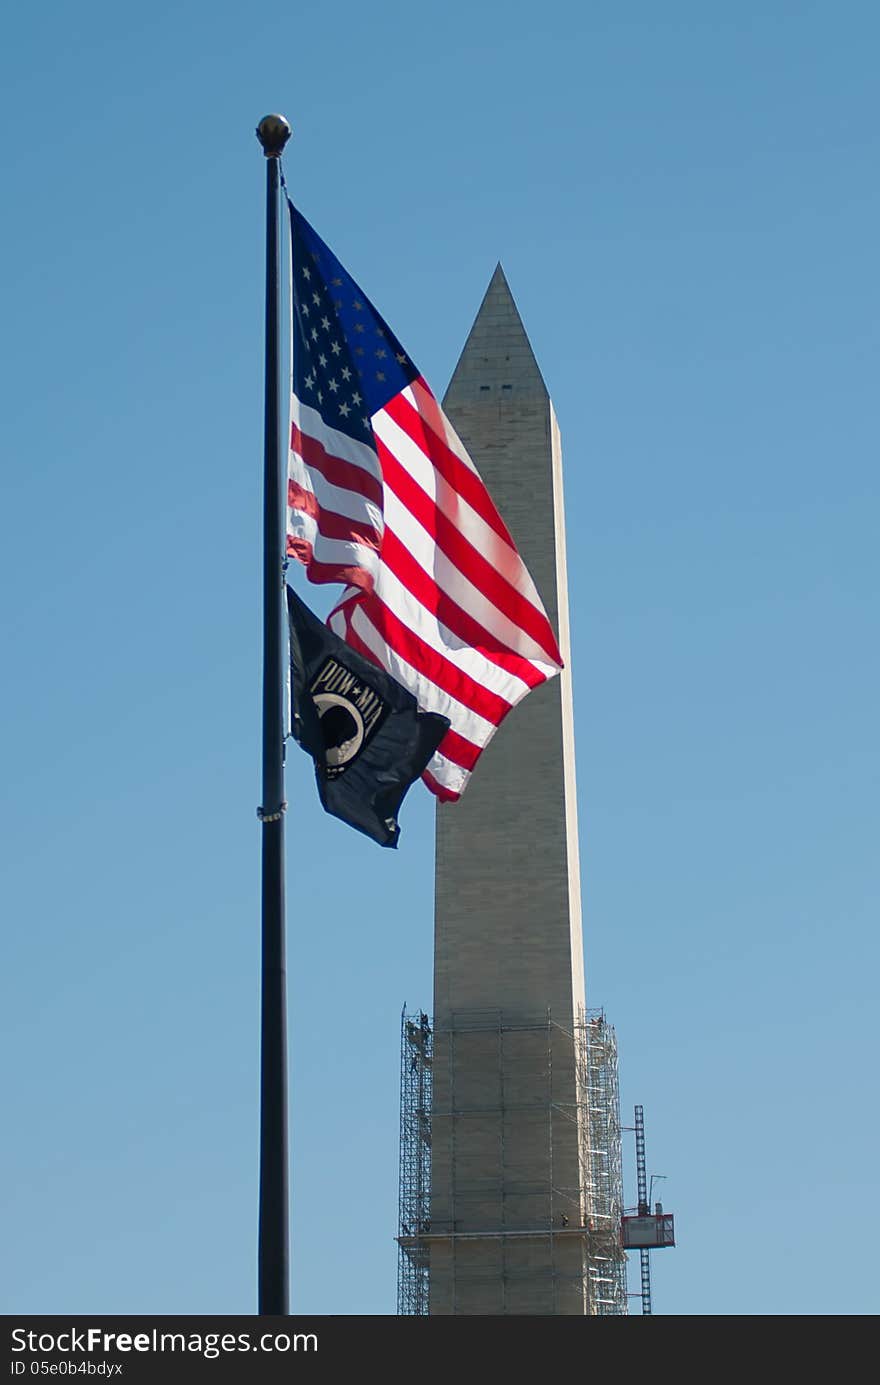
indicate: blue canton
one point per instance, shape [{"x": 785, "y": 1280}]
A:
[{"x": 347, "y": 363}]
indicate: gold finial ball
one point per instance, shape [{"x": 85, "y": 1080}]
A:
[{"x": 273, "y": 132}]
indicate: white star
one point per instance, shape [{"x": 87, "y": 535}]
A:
[
  {"x": 316, "y": 299},
  {"x": 325, "y": 323},
  {"x": 310, "y": 382},
  {"x": 401, "y": 358},
  {"x": 322, "y": 359},
  {"x": 306, "y": 272},
  {"x": 320, "y": 397},
  {"x": 381, "y": 352},
  {"x": 365, "y": 422},
  {"x": 335, "y": 348},
  {"x": 379, "y": 375},
  {"x": 314, "y": 334},
  {"x": 334, "y": 386},
  {"x": 355, "y": 398},
  {"x": 344, "y": 410},
  {"x": 346, "y": 373},
  {"x": 305, "y": 309},
  {"x": 358, "y": 305}
]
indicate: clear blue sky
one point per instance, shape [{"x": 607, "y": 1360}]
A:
[{"x": 685, "y": 200}]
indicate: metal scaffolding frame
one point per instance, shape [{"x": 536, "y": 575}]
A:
[
  {"x": 414, "y": 1199},
  {"x": 607, "y": 1266},
  {"x": 589, "y": 1212}
]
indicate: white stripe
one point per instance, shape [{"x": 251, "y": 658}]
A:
[
  {"x": 448, "y": 773},
  {"x": 341, "y": 502},
  {"x": 336, "y": 622},
  {"x": 348, "y": 593}
]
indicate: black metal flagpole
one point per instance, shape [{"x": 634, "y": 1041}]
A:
[{"x": 273, "y": 133}]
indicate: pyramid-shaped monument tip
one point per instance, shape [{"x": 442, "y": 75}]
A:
[
  {"x": 497, "y": 361},
  {"x": 498, "y": 276}
]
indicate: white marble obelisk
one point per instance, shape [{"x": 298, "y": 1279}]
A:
[{"x": 509, "y": 1145}]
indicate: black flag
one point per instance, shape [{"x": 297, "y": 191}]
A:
[{"x": 365, "y": 733}]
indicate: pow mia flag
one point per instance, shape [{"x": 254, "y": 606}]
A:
[{"x": 365, "y": 733}]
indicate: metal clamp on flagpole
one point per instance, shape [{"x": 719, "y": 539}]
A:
[{"x": 272, "y": 817}]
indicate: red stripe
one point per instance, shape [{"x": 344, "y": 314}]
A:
[
  {"x": 400, "y": 561},
  {"x": 330, "y": 524},
  {"x": 341, "y": 608},
  {"x": 317, "y": 572},
  {"x": 460, "y": 750},
  {"x": 453, "y": 470},
  {"x": 298, "y": 498},
  {"x": 353, "y": 638},
  {"x": 465, "y": 556},
  {"x": 445, "y": 795},
  {"x": 434, "y": 666},
  {"x": 348, "y": 476}
]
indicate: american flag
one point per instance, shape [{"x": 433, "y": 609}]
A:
[{"x": 383, "y": 497}]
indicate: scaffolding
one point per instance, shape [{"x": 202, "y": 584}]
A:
[
  {"x": 414, "y": 1200},
  {"x": 578, "y": 1224},
  {"x": 607, "y": 1265}
]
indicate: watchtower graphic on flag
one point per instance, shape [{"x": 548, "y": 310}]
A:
[{"x": 384, "y": 499}]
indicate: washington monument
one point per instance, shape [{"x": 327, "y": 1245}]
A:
[{"x": 509, "y": 1229}]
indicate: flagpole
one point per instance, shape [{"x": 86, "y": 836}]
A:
[{"x": 273, "y": 133}]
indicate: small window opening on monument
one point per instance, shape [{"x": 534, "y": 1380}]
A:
[
  {"x": 484, "y": 389},
  {"x": 507, "y": 387}
]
